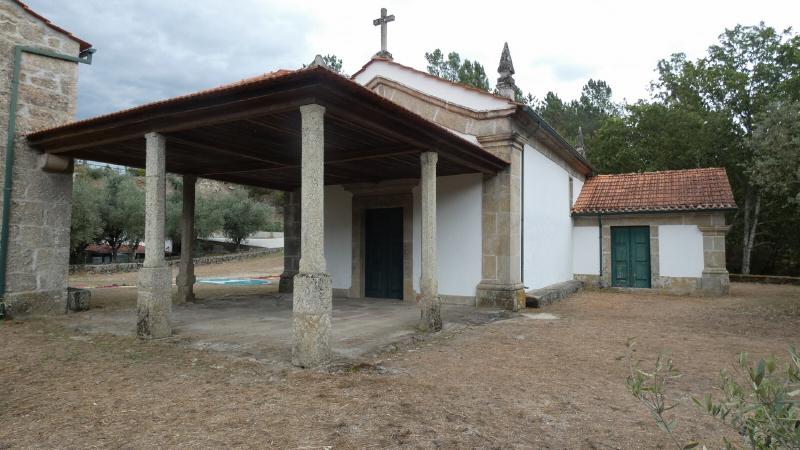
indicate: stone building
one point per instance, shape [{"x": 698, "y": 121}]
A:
[
  {"x": 38, "y": 79},
  {"x": 401, "y": 185}
]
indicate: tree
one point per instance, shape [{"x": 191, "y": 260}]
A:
[
  {"x": 589, "y": 111},
  {"x": 122, "y": 212},
  {"x": 654, "y": 136},
  {"x": 86, "y": 222},
  {"x": 776, "y": 151},
  {"x": 467, "y": 72},
  {"x": 243, "y": 216},
  {"x": 749, "y": 69}
]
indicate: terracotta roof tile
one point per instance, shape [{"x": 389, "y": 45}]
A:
[
  {"x": 172, "y": 100},
  {"x": 670, "y": 190}
]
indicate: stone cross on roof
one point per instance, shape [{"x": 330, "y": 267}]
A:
[{"x": 383, "y": 21}]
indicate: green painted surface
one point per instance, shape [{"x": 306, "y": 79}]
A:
[
  {"x": 383, "y": 255},
  {"x": 630, "y": 257}
]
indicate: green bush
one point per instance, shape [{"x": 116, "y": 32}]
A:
[{"x": 763, "y": 409}]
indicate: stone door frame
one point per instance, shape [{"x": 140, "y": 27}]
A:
[{"x": 396, "y": 195}]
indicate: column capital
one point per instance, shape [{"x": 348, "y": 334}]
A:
[
  {"x": 714, "y": 230},
  {"x": 429, "y": 158},
  {"x": 312, "y": 108},
  {"x": 154, "y": 135}
]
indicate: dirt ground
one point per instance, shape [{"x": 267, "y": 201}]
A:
[
  {"x": 268, "y": 266},
  {"x": 516, "y": 383}
]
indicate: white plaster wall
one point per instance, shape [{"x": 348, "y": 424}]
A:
[
  {"x": 431, "y": 86},
  {"x": 339, "y": 235},
  {"x": 458, "y": 234},
  {"x": 547, "y": 227},
  {"x": 586, "y": 250},
  {"x": 680, "y": 251},
  {"x": 577, "y": 185}
]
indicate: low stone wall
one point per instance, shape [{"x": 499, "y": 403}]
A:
[
  {"x": 769, "y": 279},
  {"x": 659, "y": 285},
  {"x": 203, "y": 260}
]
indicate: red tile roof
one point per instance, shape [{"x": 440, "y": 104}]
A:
[
  {"x": 83, "y": 44},
  {"x": 670, "y": 190},
  {"x": 173, "y": 100}
]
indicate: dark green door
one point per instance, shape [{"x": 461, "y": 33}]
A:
[
  {"x": 630, "y": 257},
  {"x": 383, "y": 253}
]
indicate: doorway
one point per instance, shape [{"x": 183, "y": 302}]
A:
[
  {"x": 630, "y": 257},
  {"x": 383, "y": 253}
]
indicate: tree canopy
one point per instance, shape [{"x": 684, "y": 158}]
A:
[{"x": 471, "y": 73}]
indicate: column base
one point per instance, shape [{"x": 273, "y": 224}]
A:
[
  {"x": 715, "y": 282},
  {"x": 430, "y": 318},
  {"x": 286, "y": 283},
  {"x": 185, "y": 290},
  {"x": 154, "y": 303},
  {"x": 510, "y": 297},
  {"x": 312, "y": 307}
]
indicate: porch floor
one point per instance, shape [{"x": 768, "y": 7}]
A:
[{"x": 260, "y": 325}]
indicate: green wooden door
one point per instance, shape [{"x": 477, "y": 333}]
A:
[
  {"x": 383, "y": 253},
  {"x": 630, "y": 257}
]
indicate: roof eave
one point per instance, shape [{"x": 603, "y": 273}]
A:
[
  {"x": 567, "y": 148},
  {"x": 650, "y": 211}
]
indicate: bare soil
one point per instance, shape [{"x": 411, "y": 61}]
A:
[{"x": 517, "y": 383}]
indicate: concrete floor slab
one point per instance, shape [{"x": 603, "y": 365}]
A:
[{"x": 260, "y": 326}]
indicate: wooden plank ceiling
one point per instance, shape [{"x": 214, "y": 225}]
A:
[{"x": 252, "y": 136}]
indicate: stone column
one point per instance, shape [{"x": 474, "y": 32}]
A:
[
  {"x": 186, "y": 279},
  {"x": 312, "y": 297},
  {"x": 154, "y": 303},
  {"x": 291, "y": 240},
  {"x": 715, "y": 279},
  {"x": 501, "y": 285},
  {"x": 430, "y": 304}
]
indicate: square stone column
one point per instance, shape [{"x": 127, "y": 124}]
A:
[
  {"x": 291, "y": 240},
  {"x": 430, "y": 304},
  {"x": 186, "y": 278},
  {"x": 715, "y": 279},
  {"x": 154, "y": 304},
  {"x": 312, "y": 296},
  {"x": 501, "y": 285}
]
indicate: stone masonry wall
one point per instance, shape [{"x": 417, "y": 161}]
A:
[{"x": 38, "y": 254}]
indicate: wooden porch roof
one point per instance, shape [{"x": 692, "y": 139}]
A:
[{"x": 249, "y": 132}]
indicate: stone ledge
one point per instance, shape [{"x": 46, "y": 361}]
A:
[
  {"x": 547, "y": 295},
  {"x": 203, "y": 260},
  {"x": 767, "y": 279}
]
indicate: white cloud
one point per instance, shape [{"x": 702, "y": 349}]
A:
[{"x": 151, "y": 49}]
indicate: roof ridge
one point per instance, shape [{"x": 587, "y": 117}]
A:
[{"x": 653, "y": 172}]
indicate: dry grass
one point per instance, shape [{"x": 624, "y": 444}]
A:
[{"x": 516, "y": 383}]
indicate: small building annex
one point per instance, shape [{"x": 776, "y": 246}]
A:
[{"x": 401, "y": 185}]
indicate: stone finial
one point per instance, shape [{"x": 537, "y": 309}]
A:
[
  {"x": 506, "y": 67},
  {"x": 579, "y": 145},
  {"x": 318, "y": 62},
  {"x": 505, "y": 83}
]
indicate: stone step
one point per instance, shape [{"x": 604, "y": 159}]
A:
[{"x": 536, "y": 298}]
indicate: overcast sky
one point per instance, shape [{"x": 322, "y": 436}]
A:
[{"x": 153, "y": 49}]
